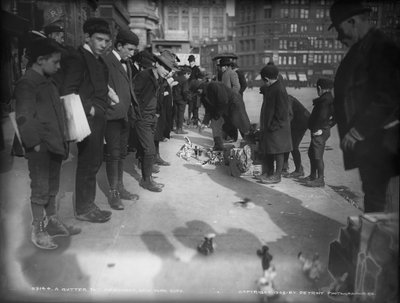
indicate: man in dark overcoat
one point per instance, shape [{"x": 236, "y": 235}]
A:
[
  {"x": 366, "y": 102},
  {"x": 219, "y": 102},
  {"x": 146, "y": 87},
  {"x": 86, "y": 74},
  {"x": 274, "y": 125},
  {"x": 117, "y": 129}
]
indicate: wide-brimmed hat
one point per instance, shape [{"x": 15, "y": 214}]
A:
[
  {"x": 168, "y": 59},
  {"x": 225, "y": 62},
  {"x": 344, "y": 9}
]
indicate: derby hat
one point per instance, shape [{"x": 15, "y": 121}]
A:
[
  {"x": 225, "y": 62},
  {"x": 344, "y": 9},
  {"x": 168, "y": 59},
  {"x": 191, "y": 58}
]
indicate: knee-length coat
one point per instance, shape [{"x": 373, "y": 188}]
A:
[{"x": 274, "y": 121}]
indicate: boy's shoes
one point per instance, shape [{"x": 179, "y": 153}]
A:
[
  {"x": 180, "y": 131},
  {"x": 319, "y": 182},
  {"x": 126, "y": 195},
  {"x": 151, "y": 185},
  {"x": 114, "y": 200},
  {"x": 39, "y": 236},
  {"x": 270, "y": 180},
  {"x": 95, "y": 215},
  {"x": 296, "y": 174},
  {"x": 306, "y": 179},
  {"x": 160, "y": 161},
  {"x": 285, "y": 173},
  {"x": 56, "y": 228}
]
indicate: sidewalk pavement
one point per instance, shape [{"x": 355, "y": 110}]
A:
[{"x": 147, "y": 252}]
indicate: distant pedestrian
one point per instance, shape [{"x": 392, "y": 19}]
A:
[
  {"x": 193, "y": 103},
  {"x": 242, "y": 78},
  {"x": 118, "y": 126},
  {"x": 40, "y": 122},
  {"x": 274, "y": 126},
  {"x": 319, "y": 124},
  {"x": 180, "y": 94},
  {"x": 367, "y": 96},
  {"x": 299, "y": 116},
  {"x": 86, "y": 74}
]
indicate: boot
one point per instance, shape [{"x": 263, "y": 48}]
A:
[
  {"x": 218, "y": 144},
  {"x": 114, "y": 200},
  {"x": 180, "y": 131},
  {"x": 39, "y": 236},
  {"x": 297, "y": 173},
  {"x": 147, "y": 181},
  {"x": 318, "y": 182},
  {"x": 123, "y": 193},
  {"x": 308, "y": 178},
  {"x": 56, "y": 228},
  {"x": 160, "y": 161},
  {"x": 154, "y": 170},
  {"x": 276, "y": 178}
]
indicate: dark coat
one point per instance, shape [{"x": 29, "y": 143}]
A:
[
  {"x": 299, "y": 115},
  {"x": 180, "y": 92},
  {"x": 39, "y": 113},
  {"x": 322, "y": 113},
  {"x": 274, "y": 121},
  {"x": 242, "y": 81},
  {"x": 367, "y": 96},
  {"x": 121, "y": 82},
  {"x": 146, "y": 87},
  {"x": 219, "y": 100},
  {"x": 164, "y": 109},
  {"x": 87, "y": 76}
]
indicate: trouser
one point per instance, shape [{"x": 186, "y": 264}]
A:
[
  {"x": 269, "y": 162},
  {"x": 216, "y": 127},
  {"x": 116, "y": 135},
  {"x": 145, "y": 129},
  {"x": 90, "y": 157},
  {"x": 179, "y": 113},
  {"x": 193, "y": 110},
  {"x": 44, "y": 172},
  {"x": 297, "y": 136}
]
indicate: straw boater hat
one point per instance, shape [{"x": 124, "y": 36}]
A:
[{"x": 168, "y": 59}]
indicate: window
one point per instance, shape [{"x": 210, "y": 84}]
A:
[
  {"x": 284, "y": 13},
  {"x": 195, "y": 10},
  {"x": 173, "y": 10},
  {"x": 284, "y": 60},
  {"x": 206, "y": 11},
  {"x": 282, "y": 44},
  {"x": 304, "y": 59},
  {"x": 293, "y": 28},
  {"x": 304, "y": 13},
  {"x": 185, "y": 23},
  {"x": 294, "y": 13},
  {"x": 173, "y": 23},
  {"x": 290, "y": 60},
  {"x": 206, "y": 22},
  {"x": 319, "y": 28},
  {"x": 319, "y": 13},
  {"x": 280, "y": 60},
  {"x": 294, "y": 60},
  {"x": 205, "y": 32},
  {"x": 303, "y": 28},
  {"x": 267, "y": 12}
]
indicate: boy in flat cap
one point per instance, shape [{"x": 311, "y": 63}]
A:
[
  {"x": 274, "y": 125},
  {"x": 40, "y": 122},
  {"x": 86, "y": 74},
  {"x": 193, "y": 104},
  {"x": 181, "y": 95},
  {"x": 319, "y": 124},
  {"x": 147, "y": 84},
  {"x": 366, "y": 103},
  {"x": 117, "y": 129}
]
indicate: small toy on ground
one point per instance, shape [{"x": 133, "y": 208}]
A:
[
  {"x": 207, "y": 246},
  {"x": 265, "y": 256},
  {"x": 312, "y": 268},
  {"x": 265, "y": 285}
]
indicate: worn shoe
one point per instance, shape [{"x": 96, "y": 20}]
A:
[
  {"x": 285, "y": 173},
  {"x": 155, "y": 169},
  {"x": 270, "y": 180},
  {"x": 56, "y": 228},
  {"x": 180, "y": 131},
  {"x": 318, "y": 182},
  {"x": 296, "y": 174},
  {"x": 126, "y": 195},
  {"x": 161, "y": 185},
  {"x": 40, "y": 238},
  {"x": 150, "y": 185},
  {"x": 161, "y": 162},
  {"x": 95, "y": 215},
  {"x": 114, "y": 200},
  {"x": 306, "y": 179}
]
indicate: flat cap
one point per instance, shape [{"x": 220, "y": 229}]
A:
[
  {"x": 96, "y": 25},
  {"x": 269, "y": 71},
  {"x": 127, "y": 36}
]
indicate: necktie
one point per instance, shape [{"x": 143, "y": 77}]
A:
[{"x": 124, "y": 64}]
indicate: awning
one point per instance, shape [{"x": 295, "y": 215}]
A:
[
  {"x": 284, "y": 76},
  {"x": 292, "y": 76},
  {"x": 302, "y": 77}
]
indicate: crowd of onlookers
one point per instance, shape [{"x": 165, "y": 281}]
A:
[{"x": 131, "y": 101}]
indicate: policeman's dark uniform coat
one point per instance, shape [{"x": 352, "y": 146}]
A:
[{"x": 274, "y": 121}]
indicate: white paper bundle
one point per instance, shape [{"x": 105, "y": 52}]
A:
[{"x": 76, "y": 124}]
